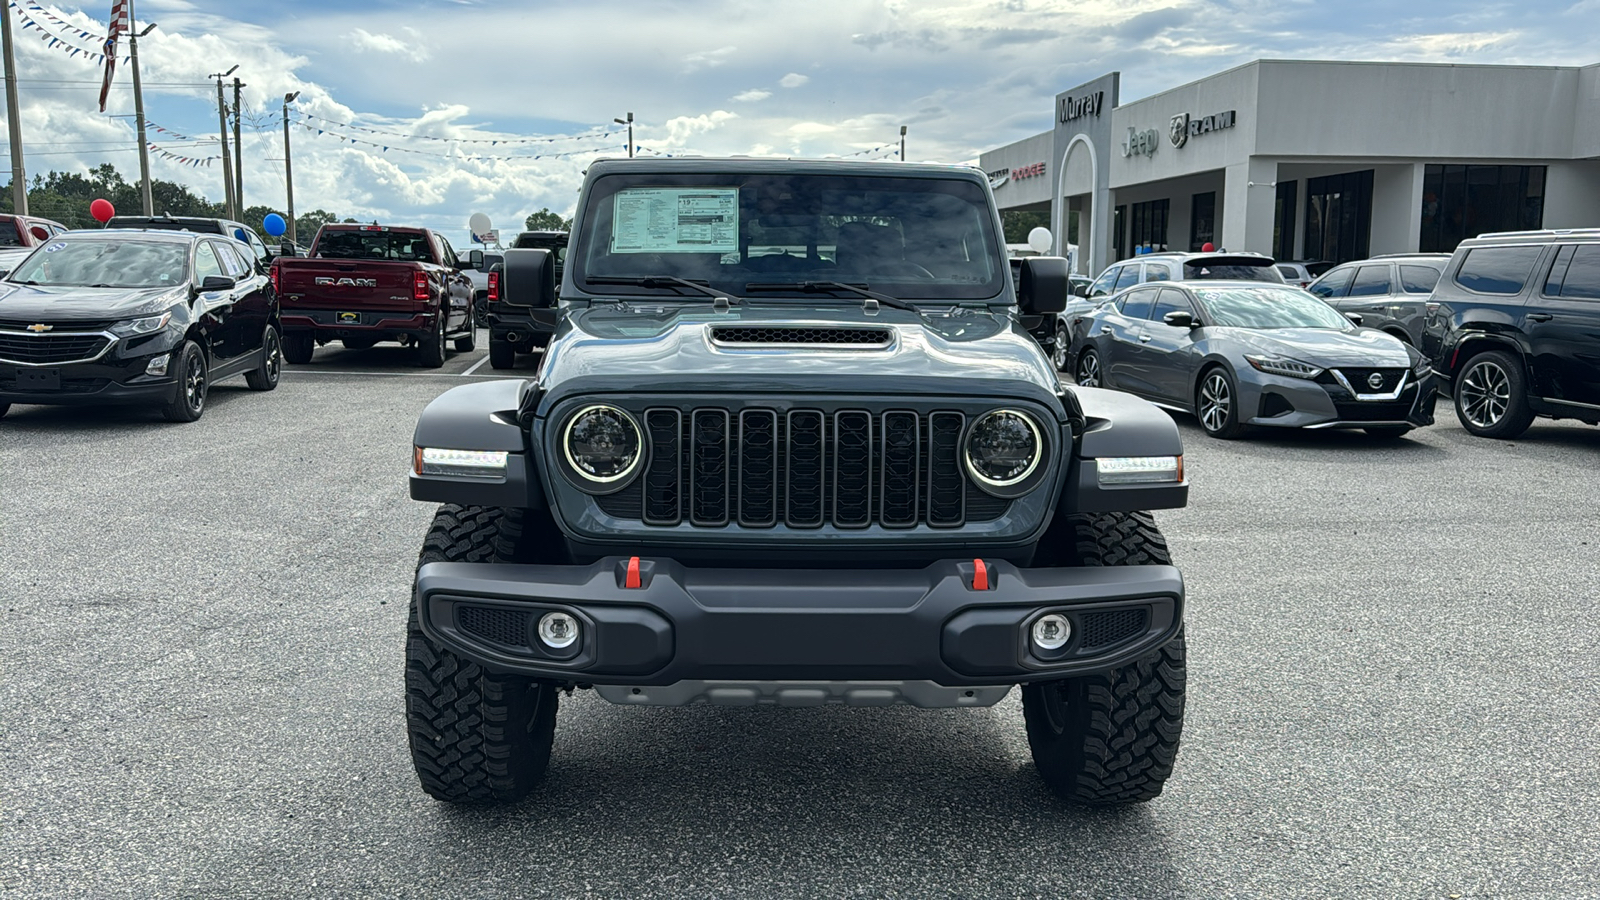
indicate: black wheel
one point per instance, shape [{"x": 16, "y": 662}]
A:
[
  {"x": 1388, "y": 432},
  {"x": 502, "y": 355},
  {"x": 1088, "y": 373},
  {"x": 469, "y": 341},
  {"x": 264, "y": 377},
  {"x": 188, "y": 401},
  {"x": 1060, "y": 354},
  {"x": 476, "y": 736},
  {"x": 1492, "y": 396},
  {"x": 298, "y": 347},
  {"x": 480, "y": 309},
  {"x": 430, "y": 349},
  {"x": 361, "y": 343},
  {"x": 1109, "y": 739},
  {"x": 1216, "y": 404}
]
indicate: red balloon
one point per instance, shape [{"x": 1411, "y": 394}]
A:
[
  {"x": 102, "y": 210},
  {"x": 1207, "y": 247}
]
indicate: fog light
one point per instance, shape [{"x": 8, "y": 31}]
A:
[
  {"x": 1052, "y": 632},
  {"x": 158, "y": 365},
  {"x": 558, "y": 630}
]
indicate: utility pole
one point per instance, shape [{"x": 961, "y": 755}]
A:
[
  {"x": 147, "y": 203},
  {"x": 902, "y": 143},
  {"x": 288, "y": 167},
  {"x": 19, "y": 178},
  {"x": 222, "y": 132},
  {"x": 629, "y": 123},
  {"x": 238, "y": 152}
]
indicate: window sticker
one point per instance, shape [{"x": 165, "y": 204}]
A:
[
  {"x": 56, "y": 246},
  {"x": 676, "y": 220}
]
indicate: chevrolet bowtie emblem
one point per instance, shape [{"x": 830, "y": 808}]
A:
[{"x": 36, "y": 329}]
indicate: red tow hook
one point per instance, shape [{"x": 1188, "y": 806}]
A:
[
  {"x": 632, "y": 580},
  {"x": 980, "y": 575}
]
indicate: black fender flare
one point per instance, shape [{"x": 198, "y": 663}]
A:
[
  {"x": 482, "y": 416},
  {"x": 1118, "y": 424}
]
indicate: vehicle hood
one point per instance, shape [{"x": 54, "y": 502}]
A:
[
  {"x": 1319, "y": 347},
  {"x": 954, "y": 351},
  {"x": 47, "y": 303}
]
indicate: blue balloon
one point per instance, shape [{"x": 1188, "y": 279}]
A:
[{"x": 274, "y": 224}]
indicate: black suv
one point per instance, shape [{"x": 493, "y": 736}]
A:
[
  {"x": 514, "y": 327},
  {"x": 791, "y": 446},
  {"x": 1389, "y": 292},
  {"x": 1513, "y": 324}
]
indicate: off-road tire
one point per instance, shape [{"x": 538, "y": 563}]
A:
[
  {"x": 264, "y": 377},
  {"x": 502, "y": 355},
  {"x": 188, "y": 401},
  {"x": 298, "y": 347},
  {"x": 1491, "y": 395},
  {"x": 430, "y": 348},
  {"x": 476, "y": 737},
  {"x": 1109, "y": 739}
]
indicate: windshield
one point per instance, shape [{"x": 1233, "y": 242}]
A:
[
  {"x": 913, "y": 238},
  {"x": 1269, "y": 308},
  {"x": 1232, "y": 272},
  {"x": 384, "y": 244},
  {"x": 107, "y": 263}
]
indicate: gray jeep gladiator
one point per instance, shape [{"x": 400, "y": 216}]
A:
[{"x": 791, "y": 446}]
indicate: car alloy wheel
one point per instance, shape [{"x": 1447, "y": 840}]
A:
[
  {"x": 274, "y": 361},
  {"x": 1216, "y": 400},
  {"x": 1485, "y": 393},
  {"x": 1058, "y": 353},
  {"x": 1088, "y": 370},
  {"x": 194, "y": 382}
]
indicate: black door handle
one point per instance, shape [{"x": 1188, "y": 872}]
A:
[{"x": 1539, "y": 317}]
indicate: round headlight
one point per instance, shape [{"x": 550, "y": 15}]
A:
[
  {"x": 1003, "y": 448},
  {"x": 602, "y": 444}
]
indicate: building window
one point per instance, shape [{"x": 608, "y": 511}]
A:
[
  {"x": 1119, "y": 233},
  {"x": 1150, "y": 225},
  {"x": 1339, "y": 216},
  {"x": 1459, "y": 202},
  {"x": 1203, "y": 221},
  {"x": 1283, "y": 220}
]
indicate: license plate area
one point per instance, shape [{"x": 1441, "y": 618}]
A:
[
  {"x": 347, "y": 318},
  {"x": 29, "y": 380}
]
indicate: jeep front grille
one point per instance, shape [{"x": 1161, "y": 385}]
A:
[{"x": 803, "y": 468}]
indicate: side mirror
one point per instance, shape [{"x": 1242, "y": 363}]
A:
[
  {"x": 1043, "y": 285},
  {"x": 287, "y": 248},
  {"x": 1354, "y": 317},
  {"x": 1180, "y": 320},
  {"x": 1081, "y": 290},
  {"x": 474, "y": 260},
  {"x": 528, "y": 278},
  {"x": 216, "y": 283}
]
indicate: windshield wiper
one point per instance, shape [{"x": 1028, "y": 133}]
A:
[
  {"x": 817, "y": 287},
  {"x": 662, "y": 281}
]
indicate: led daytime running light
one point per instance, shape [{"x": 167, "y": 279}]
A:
[
  {"x": 1277, "y": 365},
  {"x": 461, "y": 463},
  {"x": 1139, "y": 469}
]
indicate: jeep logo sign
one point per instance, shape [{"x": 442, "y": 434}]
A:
[
  {"x": 324, "y": 281},
  {"x": 1074, "y": 108},
  {"x": 1141, "y": 143}
]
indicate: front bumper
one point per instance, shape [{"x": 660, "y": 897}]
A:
[
  {"x": 685, "y": 624},
  {"x": 1280, "y": 402},
  {"x": 116, "y": 376}
]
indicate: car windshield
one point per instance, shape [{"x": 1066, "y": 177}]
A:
[
  {"x": 384, "y": 244},
  {"x": 107, "y": 263},
  {"x": 1202, "y": 271},
  {"x": 1245, "y": 307},
  {"x": 913, "y": 238}
]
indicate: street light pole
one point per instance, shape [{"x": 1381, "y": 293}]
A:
[
  {"x": 222, "y": 132},
  {"x": 628, "y": 122},
  {"x": 146, "y": 202},
  {"x": 288, "y": 167},
  {"x": 902, "y": 143},
  {"x": 238, "y": 151},
  {"x": 19, "y": 178}
]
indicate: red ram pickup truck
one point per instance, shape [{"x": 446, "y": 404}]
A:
[{"x": 362, "y": 284}]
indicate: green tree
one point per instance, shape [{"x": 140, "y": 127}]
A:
[
  {"x": 1018, "y": 222},
  {"x": 545, "y": 220}
]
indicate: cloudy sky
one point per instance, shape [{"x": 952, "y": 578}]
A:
[{"x": 444, "y": 79}]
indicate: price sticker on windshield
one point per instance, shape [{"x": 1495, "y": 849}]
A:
[
  {"x": 676, "y": 220},
  {"x": 58, "y": 245}
]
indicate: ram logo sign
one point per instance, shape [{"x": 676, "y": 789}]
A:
[{"x": 325, "y": 281}]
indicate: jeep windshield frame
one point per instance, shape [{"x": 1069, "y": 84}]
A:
[{"x": 911, "y": 237}]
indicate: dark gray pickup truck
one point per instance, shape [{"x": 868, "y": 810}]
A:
[{"x": 790, "y": 446}]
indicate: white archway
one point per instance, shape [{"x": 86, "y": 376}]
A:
[{"x": 1058, "y": 206}]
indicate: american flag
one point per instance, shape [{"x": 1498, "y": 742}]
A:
[{"x": 119, "y": 24}]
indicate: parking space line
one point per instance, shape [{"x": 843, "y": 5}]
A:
[{"x": 475, "y": 366}]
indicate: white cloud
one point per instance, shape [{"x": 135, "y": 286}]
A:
[
  {"x": 362, "y": 40},
  {"x": 708, "y": 59},
  {"x": 751, "y": 95},
  {"x": 793, "y": 80}
]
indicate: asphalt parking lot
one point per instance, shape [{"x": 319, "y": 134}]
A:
[{"x": 1392, "y": 670}]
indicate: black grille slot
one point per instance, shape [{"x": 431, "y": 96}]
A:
[
  {"x": 1102, "y": 629},
  {"x": 627, "y": 503},
  {"x": 51, "y": 348},
  {"x": 946, "y": 485},
  {"x": 901, "y": 455},
  {"x": 807, "y": 469},
  {"x": 663, "y": 501},
  {"x": 758, "y": 467},
  {"x": 984, "y": 507},
  {"x": 708, "y": 486},
  {"x": 502, "y": 626},
  {"x": 1360, "y": 379},
  {"x": 852, "y": 469},
  {"x": 868, "y": 337},
  {"x": 84, "y": 325}
]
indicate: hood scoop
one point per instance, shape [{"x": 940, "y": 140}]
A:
[{"x": 815, "y": 336}]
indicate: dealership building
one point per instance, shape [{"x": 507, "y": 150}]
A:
[{"x": 1312, "y": 160}]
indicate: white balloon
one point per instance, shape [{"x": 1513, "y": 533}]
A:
[
  {"x": 1040, "y": 240},
  {"x": 479, "y": 224}
]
